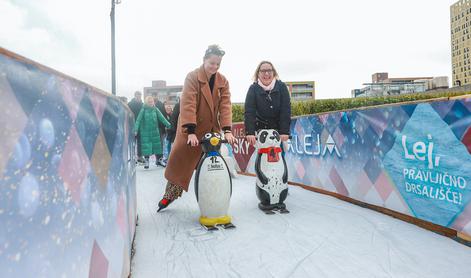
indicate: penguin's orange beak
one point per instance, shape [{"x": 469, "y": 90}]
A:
[{"x": 214, "y": 141}]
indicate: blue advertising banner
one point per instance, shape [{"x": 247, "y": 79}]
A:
[
  {"x": 411, "y": 158},
  {"x": 67, "y": 176},
  {"x": 430, "y": 167}
]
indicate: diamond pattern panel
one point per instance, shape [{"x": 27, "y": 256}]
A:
[
  {"x": 373, "y": 197},
  {"x": 397, "y": 203},
  {"x": 72, "y": 94},
  {"x": 338, "y": 182},
  {"x": 331, "y": 123},
  {"x": 98, "y": 263},
  {"x": 467, "y": 139},
  {"x": 363, "y": 185},
  {"x": 458, "y": 118},
  {"x": 121, "y": 215},
  {"x": 466, "y": 102},
  {"x": 300, "y": 170},
  {"x": 364, "y": 138},
  {"x": 408, "y": 109},
  {"x": 50, "y": 197},
  {"x": 442, "y": 107},
  {"x": 377, "y": 119},
  {"x": 383, "y": 186},
  {"x": 338, "y": 137},
  {"x": 110, "y": 117},
  {"x": 12, "y": 121},
  {"x": 74, "y": 165},
  {"x": 26, "y": 82},
  {"x": 101, "y": 160},
  {"x": 298, "y": 124},
  {"x": 323, "y": 118},
  {"x": 99, "y": 105},
  {"x": 463, "y": 219},
  {"x": 370, "y": 138},
  {"x": 373, "y": 169},
  {"x": 87, "y": 124},
  {"x": 386, "y": 141},
  {"x": 360, "y": 124},
  {"x": 118, "y": 165}
]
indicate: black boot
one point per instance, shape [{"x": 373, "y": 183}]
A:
[{"x": 164, "y": 203}]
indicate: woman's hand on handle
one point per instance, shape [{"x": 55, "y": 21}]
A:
[
  {"x": 229, "y": 137},
  {"x": 192, "y": 140},
  {"x": 251, "y": 139},
  {"x": 284, "y": 137}
]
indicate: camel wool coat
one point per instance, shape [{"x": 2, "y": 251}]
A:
[{"x": 209, "y": 112}]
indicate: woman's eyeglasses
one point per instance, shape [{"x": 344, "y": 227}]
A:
[{"x": 263, "y": 71}]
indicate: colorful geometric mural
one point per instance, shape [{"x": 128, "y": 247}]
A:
[
  {"x": 67, "y": 176},
  {"x": 414, "y": 159}
]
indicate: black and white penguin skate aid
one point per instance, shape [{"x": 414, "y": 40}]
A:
[
  {"x": 213, "y": 184},
  {"x": 272, "y": 173}
]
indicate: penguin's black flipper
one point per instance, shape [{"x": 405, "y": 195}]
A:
[
  {"x": 263, "y": 179},
  {"x": 285, "y": 171}
]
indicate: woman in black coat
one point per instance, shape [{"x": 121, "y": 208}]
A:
[{"x": 267, "y": 104}]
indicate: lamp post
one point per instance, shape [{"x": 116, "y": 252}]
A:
[{"x": 113, "y": 60}]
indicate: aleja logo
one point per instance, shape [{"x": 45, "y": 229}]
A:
[
  {"x": 311, "y": 147},
  {"x": 421, "y": 151}
]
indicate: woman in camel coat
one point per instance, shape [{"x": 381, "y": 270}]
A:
[{"x": 205, "y": 106}]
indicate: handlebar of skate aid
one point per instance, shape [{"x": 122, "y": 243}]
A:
[{"x": 222, "y": 141}]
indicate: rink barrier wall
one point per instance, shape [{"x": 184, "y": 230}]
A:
[
  {"x": 411, "y": 160},
  {"x": 421, "y": 223},
  {"x": 67, "y": 175}
]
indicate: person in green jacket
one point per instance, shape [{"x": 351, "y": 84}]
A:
[{"x": 147, "y": 124}]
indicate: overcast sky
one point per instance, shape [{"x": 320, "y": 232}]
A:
[{"x": 338, "y": 44}]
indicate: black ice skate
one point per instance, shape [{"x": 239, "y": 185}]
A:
[{"x": 164, "y": 203}]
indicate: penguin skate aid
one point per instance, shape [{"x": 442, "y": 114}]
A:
[
  {"x": 272, "y": 173},
  {"x": 213, "y": 184}
]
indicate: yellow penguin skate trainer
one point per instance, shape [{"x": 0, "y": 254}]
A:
[{"x": 213, "y": 184}]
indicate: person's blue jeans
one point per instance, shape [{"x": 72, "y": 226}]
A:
[{"x": 169, "y": 147}]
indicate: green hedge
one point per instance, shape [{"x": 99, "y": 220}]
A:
[{"x": 299, "y": 108}]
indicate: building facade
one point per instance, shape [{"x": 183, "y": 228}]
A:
[
  {"x": 301, "y": 90},
  {"x": 460, "y": 22},
  {"x": 382, "y": 85},
  {"x": 164, "y": 93}
]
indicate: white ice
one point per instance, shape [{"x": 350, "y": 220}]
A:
[{"x": 321, "y": 237}]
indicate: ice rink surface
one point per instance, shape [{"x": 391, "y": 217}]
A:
[{"x": 321, "y": 237}]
